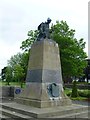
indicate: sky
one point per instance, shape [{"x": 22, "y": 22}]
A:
[{"x": 17, "y": 17}]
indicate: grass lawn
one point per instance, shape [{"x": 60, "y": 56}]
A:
[{"x": 11, "y": 84}]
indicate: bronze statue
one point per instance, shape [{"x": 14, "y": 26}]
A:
[{"x": 43, "y": 29}]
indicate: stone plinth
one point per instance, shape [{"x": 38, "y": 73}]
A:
[{"x": 44, "y": 86}]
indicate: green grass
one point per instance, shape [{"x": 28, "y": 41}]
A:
[
  {"x": 68, "y": 91},
  {"x": 12, "y": 84},
  {"x": 2, "y": 83},
  {"x": 79, "y": 98}
]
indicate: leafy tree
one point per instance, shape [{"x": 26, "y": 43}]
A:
[
  {"x": 8, "y": 75},
  {"x": 71, "y": 50},
  {"x": 24, "y": 63},
  {"x": 19, "y": 73},
  {"x": 26, "y": 45},
  {"x": 15, "y": 60},
  {"x": 3, "y": 73},
  {"x": 19, "y": 62}
]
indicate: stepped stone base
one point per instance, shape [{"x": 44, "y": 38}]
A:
[
  {"x": 15, "y": 110},
  {"x": 35, "y": 94},
  {"x": 43, "y": 104}
]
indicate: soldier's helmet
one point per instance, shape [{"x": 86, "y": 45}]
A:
[{"x": 49, "y": 20}]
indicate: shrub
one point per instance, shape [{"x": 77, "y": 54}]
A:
[
  {"x": 84, "y": 93},
  {"x": 74, "y": 90},
  {"x": 67, "y": 91}
]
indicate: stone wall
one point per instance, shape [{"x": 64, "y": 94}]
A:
[{"x": 6, "y": 91}]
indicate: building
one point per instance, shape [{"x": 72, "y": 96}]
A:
[{"x": 87, "y": 71}]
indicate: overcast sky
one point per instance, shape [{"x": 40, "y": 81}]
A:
[{"x": 17, "y": 17}]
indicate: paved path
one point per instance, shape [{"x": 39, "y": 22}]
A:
[{"x": 81, "y": 102}]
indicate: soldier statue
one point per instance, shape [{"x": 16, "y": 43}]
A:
[{"x": 43, "y": 29}]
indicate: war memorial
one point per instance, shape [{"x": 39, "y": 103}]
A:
[
  {"x": 44, "y": 76},
  {"x": 43, "y": 96}
]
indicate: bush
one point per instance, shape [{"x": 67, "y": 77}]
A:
[
  {"x": 74, "y": 90},
  {"x": 68, "y": 91},
  {"x": 84, "y": 93},
  {"x": 81, "y": 95}
]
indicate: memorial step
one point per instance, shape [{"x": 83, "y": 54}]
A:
[
  {"x": 13, "y": 114},
  {"x": 23, "y": 111},
  {"x": 74, "y": 115},
  {"x": 3, "y": 116}
]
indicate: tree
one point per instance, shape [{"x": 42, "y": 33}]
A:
[
  {"x": 19, "y": 63},
  {"x": 3, "y": 73},
  {"x": 26, "y": 45},
  {"x": 71, "y": 50},
  {"x": 8, "y": 75},
  {"x": 19, "y": 73},
  {"x": 15, "y": 60},
  {"x": 24, "y": 63}
]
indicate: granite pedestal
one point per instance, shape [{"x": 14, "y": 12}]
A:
[{"x": 44, "y": 86}]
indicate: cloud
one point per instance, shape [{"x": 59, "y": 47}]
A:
[
  {"x": 7, "y": 51},
  {"x": 17, "y": 17}
]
